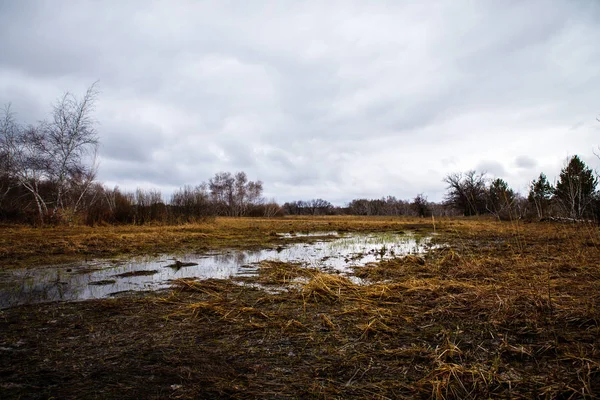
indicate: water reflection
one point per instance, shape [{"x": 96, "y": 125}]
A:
[
  {"x": 99, "y": 279},
  {"x": 307, "y": 234}
]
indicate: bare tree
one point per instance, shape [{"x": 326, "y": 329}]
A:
[
  {"x": 246, "y": 193},
  {"x": 8, "y": 132},
  {"x": 82, "y": 184},
  {"x": 254, "y": 191},
  {"x": 190, "y": 203},
  {"x": 271, "y": 209},
  {"x": 420, "y": 206},
  {"x": 26, "y": 159},
  {"x": 384, "y": 206},
  {"x": 71, "y": 137},
  {"x": 53, "y": 161},
  {"x": 234, "y": 194},
  {"x": 466, "y": 192},
  {"x": 221, "y": 190},
  {"x": 319, "y": 206},
  {"x": 360, "y": 207}
]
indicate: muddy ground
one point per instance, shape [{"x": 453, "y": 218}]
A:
[{"x": 505, "y": 310}]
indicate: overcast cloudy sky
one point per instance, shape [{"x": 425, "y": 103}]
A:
[{"x": 330, "y": 99}]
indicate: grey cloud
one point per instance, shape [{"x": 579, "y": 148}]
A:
[
  {"x": 525, "y": 162},
  {"x": 130, "y": 143},
  {"x": 315, "y": 99},
  {"x": 161, "y": 175},
  {"x": 491, "y": 167}
]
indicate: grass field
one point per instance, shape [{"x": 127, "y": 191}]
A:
[
  {"x": 501, "y": 310},
  {"x": 21, "y": 246}
]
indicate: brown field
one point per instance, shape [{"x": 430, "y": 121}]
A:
[
  {"x": 21, "y": 246},
  {"x": 504, "y": 310}
]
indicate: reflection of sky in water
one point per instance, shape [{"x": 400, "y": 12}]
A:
[
  {"x": 307, "y": 234},
  {"x": 337, "y": 253}
]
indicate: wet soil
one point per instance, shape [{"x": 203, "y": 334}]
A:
[
  {"x": 505, "y": 311},
  {"x": 71, "y": 282}
]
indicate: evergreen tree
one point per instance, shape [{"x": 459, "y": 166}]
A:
[
  {"x": 540, "y": 194},
  {"x": 576, "y": 188},
  {"x": 500, "y": 198}
]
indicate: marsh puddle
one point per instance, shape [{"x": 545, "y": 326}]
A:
[
  {"x": 307, "y": 234},
  {"x": 329, "y": 251}
]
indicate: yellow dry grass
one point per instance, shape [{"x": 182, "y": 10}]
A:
[
  {"x": 503, "y": 310},
  {"x": 24, "y": 245}
]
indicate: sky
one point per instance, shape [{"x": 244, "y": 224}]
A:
[{"x": 317, "y": 99}]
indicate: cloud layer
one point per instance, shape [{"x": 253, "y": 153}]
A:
[{"x": 336, "y": 100}]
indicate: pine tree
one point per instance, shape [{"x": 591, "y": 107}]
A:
[
  {"x": 500, "y": 198},
  {"x": 540, "y": 194},
  {"x": 576, "y": 187}
]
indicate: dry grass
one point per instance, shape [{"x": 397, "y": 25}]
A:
[
  {"x": 23, "y": 245},
  {"x": 503, "y": 311}
]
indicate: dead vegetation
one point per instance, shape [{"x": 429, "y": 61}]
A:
[
  {"x": 503, "y": 311},
  {"x": 22, "y": 246}
]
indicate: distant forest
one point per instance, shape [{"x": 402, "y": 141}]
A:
[{"x": 48, "y": 176}]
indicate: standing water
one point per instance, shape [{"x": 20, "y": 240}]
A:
[{"x": 100, "y": 279}]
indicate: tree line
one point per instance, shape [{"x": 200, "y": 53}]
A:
[
  {"x": 574, "y": 195},
  {"x": 386, "y": 206},
  {"x": 225, "y": 194},
  {"x": 48, "y": 175}
]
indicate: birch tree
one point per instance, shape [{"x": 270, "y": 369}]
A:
[
  {"x": 232, "y": 195},
  {"x": 72, "y": 142},
  {"x": 54, "y": 160},
  {"x": 25, "y": 159}
]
